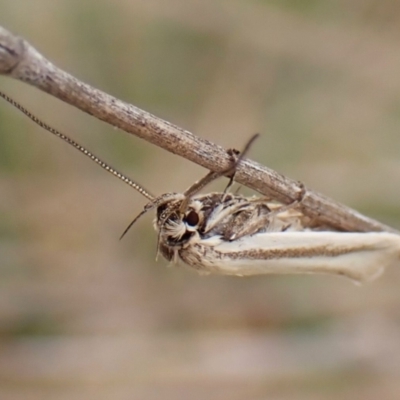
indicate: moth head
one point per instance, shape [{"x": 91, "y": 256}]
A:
[{"x": 177, "y": 226}]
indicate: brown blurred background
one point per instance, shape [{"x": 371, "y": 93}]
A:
[{"x": 85, "y": 316}]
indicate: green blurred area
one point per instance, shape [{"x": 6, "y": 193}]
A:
[{"x": 83, "y": 315}]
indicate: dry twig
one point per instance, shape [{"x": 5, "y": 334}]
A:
[{"x": 19, "y": 60}]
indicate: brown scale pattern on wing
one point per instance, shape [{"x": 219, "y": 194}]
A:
[
  {"x": 322, "y": 251},
  {"x": 204, "y": 258}
]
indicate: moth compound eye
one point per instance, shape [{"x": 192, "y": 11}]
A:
[{"x": 192, "y": 218}]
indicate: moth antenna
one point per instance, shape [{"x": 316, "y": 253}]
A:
[
  {"x": 80, "y": 148},
  {"x": 164, "y": 198},
  {"x": 144, "y": 211},
  {"x": 212, "y": 176}
]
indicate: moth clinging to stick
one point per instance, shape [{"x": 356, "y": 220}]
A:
[{"x": 230, "y": 234}]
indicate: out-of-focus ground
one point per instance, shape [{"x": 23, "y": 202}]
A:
[{"x": 85, "y": 316}]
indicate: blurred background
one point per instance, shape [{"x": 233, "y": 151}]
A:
[{"x": 86, "y": 316}]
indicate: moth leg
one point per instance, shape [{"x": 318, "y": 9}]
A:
[
  {"x": 223, "y": 211},
  {"x": 294, "y": 204},
  {"x": 278, "y": 221},
  {"x": 261, "y": 217},
  {"x": 235, "y": 158},
  {"x": 212, "y": 175},
  {"x": 255, "y": 222},
  {"x": 247, "y": 223},
  {"x": 302, "y": 193}
]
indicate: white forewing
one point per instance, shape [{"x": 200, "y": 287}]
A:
[{"x": 359, "y": 256}]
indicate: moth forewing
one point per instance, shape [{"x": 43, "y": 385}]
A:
[
  {"x": 243, "y": 236},
  {"x": 358, "y": 256}
]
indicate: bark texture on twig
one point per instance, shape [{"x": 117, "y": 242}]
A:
[{"x": 18, "y": 59}]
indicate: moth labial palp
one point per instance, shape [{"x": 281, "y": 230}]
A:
[{"x": 231, "y": 234}]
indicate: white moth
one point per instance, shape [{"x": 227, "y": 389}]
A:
[{"x": 229, "y": 234}]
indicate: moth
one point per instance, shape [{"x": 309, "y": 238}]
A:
[{"x": 230, "y": 234}]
